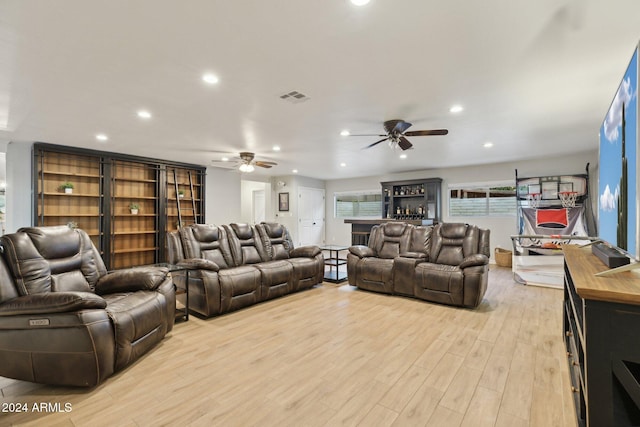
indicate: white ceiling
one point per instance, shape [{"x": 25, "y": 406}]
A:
[{"x": 535, "y": 77}]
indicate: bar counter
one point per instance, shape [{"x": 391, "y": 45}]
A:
[{"x": 361, "y": 228}]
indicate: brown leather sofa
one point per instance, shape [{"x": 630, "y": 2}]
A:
[
  {"x": 447, "y": 263},
  {"x": 237, "y": 265},
  {"x": 64, "y": 319}
]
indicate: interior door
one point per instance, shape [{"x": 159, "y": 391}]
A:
[
  {"x": 311, "y": 216},
  {"x": 259, "y": 206}
]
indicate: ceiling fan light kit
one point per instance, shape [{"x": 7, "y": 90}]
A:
[
  {"x": 246, "y": 167},
  {"x": 244, "y": 162}
]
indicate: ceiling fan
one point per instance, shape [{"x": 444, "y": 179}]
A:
[
  {"x": 396, "y": 134},
  {"x": 246, "y": 162}
]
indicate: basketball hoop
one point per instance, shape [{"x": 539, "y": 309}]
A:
[
  {"x": 568, "y": 198},
  {"x": 534, "y": 200}
]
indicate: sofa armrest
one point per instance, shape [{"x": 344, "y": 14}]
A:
[
  {"x": 51, "y": 302},
  {"x": 414, "y": 255},
  {"x": 199, "y": 264},
  {"x": 362, "y": 251},
  {"x": 474, "y": 260},
  {"x": 305, "y": 251},
  {"x": 131, "y": 280}
]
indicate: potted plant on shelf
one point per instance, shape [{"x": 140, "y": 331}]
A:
[
  {"x": 180, "y": 194},
  {"x": 72, "y": 224},
  {"x": 67, "y": 187},
  {"x": 134, "y": 207}
]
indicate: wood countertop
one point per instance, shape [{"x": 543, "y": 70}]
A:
[
  {"x": 622, "y": 287},
  {"x": 382, "y": 221}
]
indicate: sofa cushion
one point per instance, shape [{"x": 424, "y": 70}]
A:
[
  {"x": 246, "y": 245},
  {"x": 35, "y": 254},
  {"x": 276, "y": 240},
  {"x": 207, "y": 242},
  {"x": 69, "y": 281}
]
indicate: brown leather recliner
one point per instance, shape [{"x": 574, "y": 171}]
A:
[
  {"x": 64, "y": 319},
  {"x": 371, "y": 267},
  {"x": 238, "y": 265},
  {"x": 458, "y": 268},
  {"x": 446, "y": 263}
]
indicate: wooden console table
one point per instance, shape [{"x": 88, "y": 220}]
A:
[{"x": 601, "y": 328}]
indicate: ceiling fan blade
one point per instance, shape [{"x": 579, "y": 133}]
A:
[
  {"x": 376, "y": 143},
  {"x": 225, "y": 165},
  {"x": 264, "y": 164},
  {"x": 404, "y": 143},
  {"x": 370, "y": 134},
  {"x": 427, "y": 132}
]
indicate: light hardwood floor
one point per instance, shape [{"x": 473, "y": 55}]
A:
[{"x": 337, "y": 356}]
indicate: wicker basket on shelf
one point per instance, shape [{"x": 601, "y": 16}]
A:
[{"x": 503, "y": 257}]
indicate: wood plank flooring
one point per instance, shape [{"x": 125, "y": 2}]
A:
[{"x": 336, "y": 356}]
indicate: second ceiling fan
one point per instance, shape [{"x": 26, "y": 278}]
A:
[{"x": 396, "y": 134}]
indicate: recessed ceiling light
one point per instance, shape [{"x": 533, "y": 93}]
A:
[
  {"x": 456, "y": 109},
  {"x": 225, "y": 159},
  {"x": 276, "y": 148},
  {"x": 488, "y": 144},
  {"x": 102, "y": 137},
  {"x": 295, "y": 171},
  {"x": 345, "y": 133},
  {"x": 360, "y": 2},
  {"x": 210, "y": 78},
  {"x": 343, "y": 164},
  {"x": 403, "y": 156},
  {"x": 144, "y": 114}
]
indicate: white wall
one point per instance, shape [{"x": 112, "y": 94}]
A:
[
  {"x": 289, "y": 184},
  {"x": 502, "y": 228},
  {"x": 19, "y": 196},
  {"x": 223, "y": 196},
  {"x": 246, "y": 200}
]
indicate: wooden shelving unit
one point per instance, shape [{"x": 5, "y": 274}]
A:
[
  {"x": 81, "y": 208},
  {"x": 134, "y": 182},
  {"x": 186, "y": 209},
  {"x": 105, "y": 184}
]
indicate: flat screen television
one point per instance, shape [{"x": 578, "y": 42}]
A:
[{"x": 618, "y": 208}]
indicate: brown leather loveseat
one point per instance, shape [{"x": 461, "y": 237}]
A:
[
  {"x": 447, "y": 263},
  {"x": 64, "y": 319},
  {"x": 237, "y": 265}
]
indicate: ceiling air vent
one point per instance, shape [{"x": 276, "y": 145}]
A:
[{"x": 294, "y": 97}]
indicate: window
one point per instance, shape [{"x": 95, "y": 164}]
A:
[
  {"x": 497, "y": 199},
  {"x": 356, "y": 204}
]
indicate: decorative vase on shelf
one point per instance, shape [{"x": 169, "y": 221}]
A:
[
  {"x": 134, "y": 211},
  {"x": 68, "y": 190}
]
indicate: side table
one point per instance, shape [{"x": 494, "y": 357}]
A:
[
  {"x": 181, "y": 313},
  {"x": 334, "y": 261}
]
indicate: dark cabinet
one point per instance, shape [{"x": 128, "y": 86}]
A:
[
  {"x": 601, "y": 324},
  {"x": 418, "y": 199}
]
